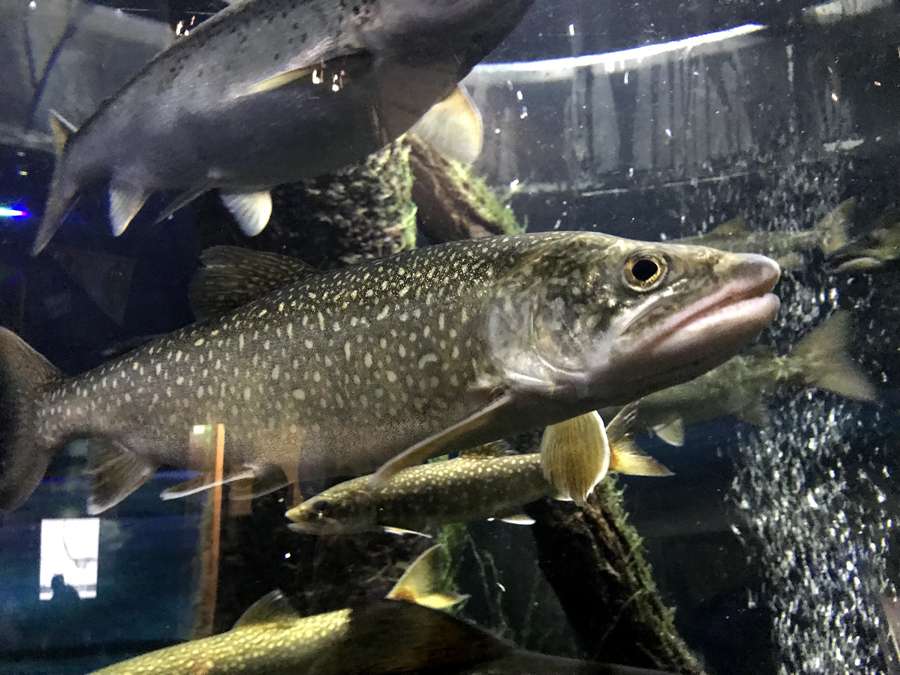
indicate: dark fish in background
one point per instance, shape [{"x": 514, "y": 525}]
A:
[
  {"x": 742, "y": 385},
  {"x": 404, "y": 634},
  {"x": 786, "y": 247},
  {"x": 873, "y": 251},
  {"x": 272, "y": 92},
  {"x": 486, "y": 482},
  {"x": 430, "y": 351}
]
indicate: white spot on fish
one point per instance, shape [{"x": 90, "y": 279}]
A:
[
  {"x": 262, "y": 313},
  {"x": 178, "y": 356},
  {"x": 391, "y": 376},
  {"x": 426, "y": 359},
  {"x": 368, "y": 360},
  {"x": 383, "y": 313},
  {"x": 199, "y": 343},
  {"x": 241, "y": 341},
  {"x": 180, "y": 380},
  {"x": 276, "y": 371},
  {"x": 247, "y": 393},
  {"x": 299, "y": 394}
]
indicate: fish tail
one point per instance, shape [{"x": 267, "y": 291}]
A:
[
  {"x": 835, "y": 226},
  {"x": 822, "y": 358},
  {"x": 419, "y": 584},
  {"x": 64, "y": 188},
  {"x": 24, "y": 374}
]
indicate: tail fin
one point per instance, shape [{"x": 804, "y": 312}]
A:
[
  {"x": 418, "y": 583},
  {"x": 835, "y": 225},
  {"x": 23, "y": 461},
  {"x": 823, "y": 360},
  {"x": 575, "y": 456},
  {"x": 63, "y": 190}
]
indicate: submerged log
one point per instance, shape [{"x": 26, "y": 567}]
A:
[{"x": 594, "y": 559}]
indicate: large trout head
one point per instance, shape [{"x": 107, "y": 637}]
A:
[
  {"x": 429, "y": 29},
  {"x": 600, "y": 320}
]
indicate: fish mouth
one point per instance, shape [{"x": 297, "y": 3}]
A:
[{"x": 712, "y": 329}]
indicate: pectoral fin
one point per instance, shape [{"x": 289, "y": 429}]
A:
[
  {"x": 454, "y": 127},
  {"x": 115, "y": 472},
  {"x": 419, "y": 583},
  {"x": 441, "y": 441},
  {"x": 251, "y": 210},
  {"x": 671, "y": 432},
  {"x": 518, "y": 519},
  {"x": 400, "y": 532},
  {"x": 203, "y": 483},
  {"x": 125, "y": 201},
  {"x": 333, "y": 74},
  {"x": 575, "y": 456}
]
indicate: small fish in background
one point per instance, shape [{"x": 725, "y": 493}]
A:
[
  {"x": 828, "y": 235},
  {"x": 406, "y": 633},
  {"x": 874, "y": 251},
  {"x": 267, "y": 93},
  {"x": 741, "y": 386},
  {"x": 484, "y": 483},
  {"x": 325, "y": 374}
]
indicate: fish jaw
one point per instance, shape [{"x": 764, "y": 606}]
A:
[{"x": 706, "y": 332}]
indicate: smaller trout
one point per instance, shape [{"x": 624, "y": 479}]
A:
[{"x": 482, "y": 483}]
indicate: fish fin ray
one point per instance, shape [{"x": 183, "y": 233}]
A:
[
  {"x": 203, "y": 483},
  {"x": 125, "y": 202},
  {"x": 181, "y": 200},
  {"x": 402, "y": 532},
  {"x": 251, "y": 210},
  {"x": 25, "y": 374},
  {"x": 267, "y": 478},
  {"x": 347, "y": 66},
  {"x": 439, "y": 442},
  {"x": 230, "y": 277},
  {"x": 826, "y": 364},
  {"x": 64, "y": 187},
  {"x": 575, "y": 455},
  {"x": 628, "y": 459},
  {"x": 273, "y": 607},
  {"x": 454, "y": 127},
  {"x": 62, "y": 130},
  {"x": 419, "y": 583},
  {"x": 114, "y": 472},
  {"x": 518, "y": 519},
  {"x": 671, "y": 432}
]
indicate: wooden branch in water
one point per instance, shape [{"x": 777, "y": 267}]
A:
[{"x": 595, "y": 561}]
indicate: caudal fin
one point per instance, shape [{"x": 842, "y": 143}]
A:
[
  {"x": 835, "y": 226},
  {"x": 822, "y": 358},
  {"x": 23, "y": 458},
  {"x": 63, "y": 189}
]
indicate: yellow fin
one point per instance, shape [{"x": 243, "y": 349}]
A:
[
  {"x": 454, "y": 127},
  {"x": 730, "y": 228},
  {"x": 627, "y": 458},
  {"x": 575, "y": 455},
  {"x": 417, "y": 583},
  {"x": 333, "y": 74},
  {"x": 62, "y": 129},
  {"x": 269, "y": 608},
  {"x": 279, "y": 80}
]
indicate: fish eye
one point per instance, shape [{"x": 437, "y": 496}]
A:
[
  {"x": 644, "y": 271},
  {"x": 321, "y": 506}
]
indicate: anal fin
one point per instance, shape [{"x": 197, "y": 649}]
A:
[
  {"x": 114, "y": 472},
  {"x": 251, "y": 210}
]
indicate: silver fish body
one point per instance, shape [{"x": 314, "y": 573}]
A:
[
  {"x": 272, "y": 91},
  {"x": 432, "y": 350}
]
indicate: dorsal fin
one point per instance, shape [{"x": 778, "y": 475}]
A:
[
  {"x": 730, "y": 228},
  {"x": 417, "y": 585},
  {"x": 269, "y": 608},
  {"x": 231, "y": 276},
  {"x": 487, "y": 451}
]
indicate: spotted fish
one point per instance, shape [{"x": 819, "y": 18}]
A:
[
  {"x": 407, "y": 633},
  {"x": 483, "y": 483},
  {"x": 274, "y": 91},
  {"x": 333, "y": 374}
]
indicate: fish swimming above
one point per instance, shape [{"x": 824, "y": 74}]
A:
[
  {"x": 741, "y": 386},
  {"x": 268, "y": 92},
  {"x": 486, "y": 482},
  {"x": 407, "y": 633},
  {"x": 787, "y": 247},
  {"x": 391, "y": 362}
]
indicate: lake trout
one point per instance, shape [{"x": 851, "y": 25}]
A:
[
  {"x": 787, "y": 247},
  {"x": 331, "y": 374},
  {"x": 268, "y": 92},
  {"x": 405, "y": 634},
  {"x": 741, "y": 386},
  {"x": 483, "y": 483}
]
